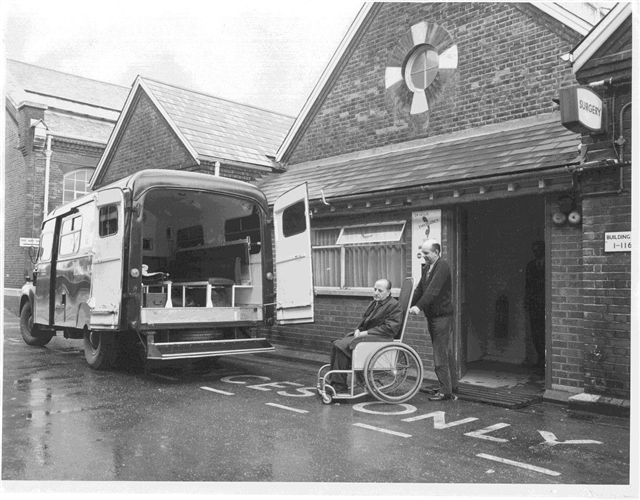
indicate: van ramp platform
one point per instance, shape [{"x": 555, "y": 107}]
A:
[{"x": 205, "y": 348}]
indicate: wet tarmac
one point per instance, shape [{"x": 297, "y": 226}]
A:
[{"x": 257, "y": 419}]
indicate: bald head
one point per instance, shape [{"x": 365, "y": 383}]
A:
[{"x": 431, "y": 251}]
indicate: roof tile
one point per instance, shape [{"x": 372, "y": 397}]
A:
[
  {"x": 219, "y": 128},
  {"x": 542, "y": 143}
]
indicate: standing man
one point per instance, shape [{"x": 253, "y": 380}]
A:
[
  {"x": 534, "y": 300},
  {"x": 433, "y": 297},
  {"x": 381, "y": 321}
]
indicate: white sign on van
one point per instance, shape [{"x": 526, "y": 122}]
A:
[
  {"x": 29, "y": 242},
  {"x": 619, "y": 241}
]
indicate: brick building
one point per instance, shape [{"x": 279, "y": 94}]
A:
[
  {"x": 442, "y": 119},
  {"x": 602, "y": 286},
  {"x": 56, "y": 127},
  {"x": 164, "y": 126}
]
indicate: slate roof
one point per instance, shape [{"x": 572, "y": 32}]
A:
[
  {"x": 219, "y": 129},
  {"x": 74, "y": 107},
  {"x": 39, "y": 84},
  {"x": 515, "y": 147}
]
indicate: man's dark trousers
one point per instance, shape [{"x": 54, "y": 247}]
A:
[{"x": 443, "y": 359}]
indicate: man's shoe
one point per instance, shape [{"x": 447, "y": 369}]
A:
[
  {"x": 428, "y": 390},
  {"x": 443, "y": 397}
]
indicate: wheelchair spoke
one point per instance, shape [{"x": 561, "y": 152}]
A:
[{"x": 393, "y": 373}]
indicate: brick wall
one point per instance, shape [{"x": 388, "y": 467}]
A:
[
  {"x": 17, "y": 223},
  {"x": 509, "y": 67},
  {"x": 606, "y": 292},
  {"x": 146, "y": 142},
  {"x": 567, "y": 340}
]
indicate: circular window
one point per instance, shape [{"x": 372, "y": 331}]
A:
[
  {"x": 421, "y": 68},
  {"x": 418, "y": 67}
]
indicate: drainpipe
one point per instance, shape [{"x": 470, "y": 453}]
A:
[
  {"x": 47, "y": 169},
  {"x": 619, "y": 161}
]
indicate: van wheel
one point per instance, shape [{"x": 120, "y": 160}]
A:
[
  {"x": 99, "y": 349},
  {"x": 30, "y": 332}
]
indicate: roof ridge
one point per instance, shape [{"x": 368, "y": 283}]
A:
[
  {"x": 68, "y": 74},
  {"x": 200, "y": 92}
]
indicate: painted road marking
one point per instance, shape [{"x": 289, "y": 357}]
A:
[
  {"x": 274, "y": 385},
  {"x": 438, "y": 420},
  {"x": 166, "y": 377},
  {"x": 480, "y": 434},
  {"x": 231, "y": 379},
  {"x": 218, "y": 391},
  {"x": 534, "y": 468},
  {"x": 407, "y": 408},
  {"x": 287, "y": 408},
  {"x": 380, "y": 429},
  {"x": 551, "y": 439}
]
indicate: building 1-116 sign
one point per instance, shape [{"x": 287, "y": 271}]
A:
[{"x": 619, "y": 241}]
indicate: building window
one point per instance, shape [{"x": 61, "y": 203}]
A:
[
  {"x": 76, "y": 184},
  {"x": 356, "y": 256},
  {"x": 108, "y": 220},
  {"x": 421, "y": 68}
]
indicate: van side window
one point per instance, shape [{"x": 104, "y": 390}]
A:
[
  {"x": 293, "y": 220},
  {"x": 70, "y": 235},
  {"x": 108, "y": 220},
  {"x": 46, "y": 245}
]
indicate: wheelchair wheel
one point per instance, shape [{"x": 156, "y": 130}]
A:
[{"x": 393, "y": 373}]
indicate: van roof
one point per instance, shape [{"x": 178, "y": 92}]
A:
[{"x": 144, "y": 180}]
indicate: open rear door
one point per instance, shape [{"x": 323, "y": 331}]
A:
[
  {"x": 294, "y": 277},
  {"x": 106, "y": 275}
]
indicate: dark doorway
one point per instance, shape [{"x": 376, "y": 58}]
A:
[{"x": 496, "y": 347}]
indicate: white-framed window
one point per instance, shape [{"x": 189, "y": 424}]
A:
[
  {"x": 70, "y": 235},
  {"x": 76, "y": 184},
  {"x": 421, "y": 68},
  {"x": 354, "y": 257}
]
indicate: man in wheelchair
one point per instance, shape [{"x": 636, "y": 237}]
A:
[{"x": 381, "y": 321}]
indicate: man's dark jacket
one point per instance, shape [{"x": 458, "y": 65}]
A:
[
  {"x": 382, "y": 319},
  {"x": 433, "y": 293}
]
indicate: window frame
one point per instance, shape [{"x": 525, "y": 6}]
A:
[
  {"x": 71, "y": 228},
  {"x": 72, "y": 177},
  {"x": 342, "y": 289},
  {"x": 108, "y": 208}
]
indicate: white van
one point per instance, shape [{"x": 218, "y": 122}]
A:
[{"x": 170, "y": 265}]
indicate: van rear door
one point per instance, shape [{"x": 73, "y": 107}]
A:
[
  {"x": 45, "y": 275},
  {"x": 106, "y": 275},
  {"x": 294, "y": 277}
]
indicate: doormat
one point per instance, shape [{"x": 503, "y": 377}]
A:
[{"x": 506, "y": 397}]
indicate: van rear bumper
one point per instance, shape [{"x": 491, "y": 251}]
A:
[{"x": 152, "y": 318}]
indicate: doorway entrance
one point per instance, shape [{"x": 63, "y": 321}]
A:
[{"x": 495, "y": 344}]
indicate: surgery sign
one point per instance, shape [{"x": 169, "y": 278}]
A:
[{"x": 581, "y": 109}]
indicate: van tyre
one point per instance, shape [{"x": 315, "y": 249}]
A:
[
  {"x": 30, "y": 332},
  {"x": 99, "y": 349}
]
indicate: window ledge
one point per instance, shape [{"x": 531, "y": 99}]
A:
[{"x": 350, "y": 292}]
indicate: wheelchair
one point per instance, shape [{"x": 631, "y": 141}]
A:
[{"x": 391, "y": 371}]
